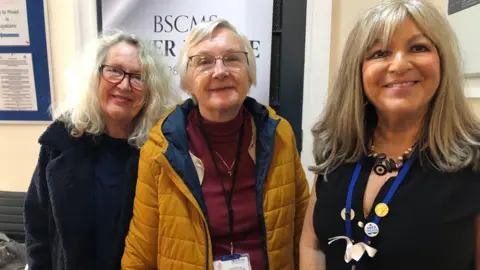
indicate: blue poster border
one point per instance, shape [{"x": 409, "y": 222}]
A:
[{"x": 38, "y": 31}]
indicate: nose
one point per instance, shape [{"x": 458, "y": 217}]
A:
[
  {"x": 219, "y": 70},
  {"x": 400, "y": 63},
  {"x": 124, "y": 84}
]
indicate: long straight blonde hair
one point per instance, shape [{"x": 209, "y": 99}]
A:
[{"x": 451, "y": 132}]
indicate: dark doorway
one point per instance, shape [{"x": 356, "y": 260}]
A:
[{"x": 288, "y": 57}]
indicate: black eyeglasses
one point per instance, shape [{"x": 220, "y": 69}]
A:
[
  {"x": 116, "y": 75},
  {"x": 233, "y": 61}
]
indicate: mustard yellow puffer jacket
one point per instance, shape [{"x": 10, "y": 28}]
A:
[{"x": 169, "y": 229}]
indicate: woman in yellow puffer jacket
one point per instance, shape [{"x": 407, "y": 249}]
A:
[{"x": 220, "y": 180}]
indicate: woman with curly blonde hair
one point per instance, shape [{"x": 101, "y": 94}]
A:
[{"x": 80, "y": 200}]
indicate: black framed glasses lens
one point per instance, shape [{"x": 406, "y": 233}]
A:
[{"x": 116, "y": 75}]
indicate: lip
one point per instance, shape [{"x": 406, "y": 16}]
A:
[
  {"x": 401, "y": 84},
  {"x": 221, "y": 88},
  {"x": 121, "y": 98}
]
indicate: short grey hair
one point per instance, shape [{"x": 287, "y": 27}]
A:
[
  {"x": 81, "y": 110},
  {"x": 205, "y": 30}
]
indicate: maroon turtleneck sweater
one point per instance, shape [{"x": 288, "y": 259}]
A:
[{"x": 224, "y": 139}]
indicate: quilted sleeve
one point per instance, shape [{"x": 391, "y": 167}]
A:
[
  {"x": 141, "y": 242},
  {"x": 301, "y": 201}
]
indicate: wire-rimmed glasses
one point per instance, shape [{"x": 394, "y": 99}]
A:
[{"x": 233, "y": 61}]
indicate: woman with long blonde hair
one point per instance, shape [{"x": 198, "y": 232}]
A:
[{"x": 397, "y": 150}]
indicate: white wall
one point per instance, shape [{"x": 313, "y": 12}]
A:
[
  {"x": 71, "y": 24},
  {"x": 18, "y": 142},
  {"x": 316, "y": 73}
]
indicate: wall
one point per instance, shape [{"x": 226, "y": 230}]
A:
[
  {"x": 19, "y": 141},
  {"x": 316, "y": 73},
  {"x": 328, "y": 25}
]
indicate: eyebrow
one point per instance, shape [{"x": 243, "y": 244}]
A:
[
  {"x": 409, "y": 41},
  {"x": 209, "y": 52},
  {"x": 415, "y": 37},
  {"x": 120, "y": 66}
]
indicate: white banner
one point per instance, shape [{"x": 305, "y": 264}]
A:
[{"x": 167, "y": 23}]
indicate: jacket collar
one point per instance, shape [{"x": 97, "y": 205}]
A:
[
  {"x": 173, "y": 125},
  {"x": 173, "y": 141},
  {"x": 57, "y": 136}
]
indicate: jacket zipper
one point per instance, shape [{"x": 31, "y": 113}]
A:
[
  {"x": 261, "y": 219},
  {"x": 264, "y": 238},
  {"x": 206, "y": 245}
]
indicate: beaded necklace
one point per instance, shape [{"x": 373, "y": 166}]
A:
[{"x": 383, "y": 164}]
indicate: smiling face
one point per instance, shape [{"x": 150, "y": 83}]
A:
[
  {"x": 221, "y": 88},
  {"x": 403, "y": 78},
  {"x": 120, "y": 103}
]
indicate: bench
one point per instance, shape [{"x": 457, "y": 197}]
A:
[{"x": 11, "y": 215}]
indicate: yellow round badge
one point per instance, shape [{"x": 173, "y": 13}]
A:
[{"x": 381, "y": 209}]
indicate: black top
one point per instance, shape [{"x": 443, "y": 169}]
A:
[
  {"x": 430, "y": 225},
  {"x": 112, "y": 156}
]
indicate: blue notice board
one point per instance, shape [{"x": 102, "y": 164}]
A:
[{"x": 34, "y": 47}]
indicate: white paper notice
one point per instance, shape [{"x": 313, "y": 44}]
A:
[
  {"x": 14, "y": 23},
  {"x": 17, "y": 84}
]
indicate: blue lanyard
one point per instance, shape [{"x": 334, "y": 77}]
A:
[{"x": 400, "y": 177}]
